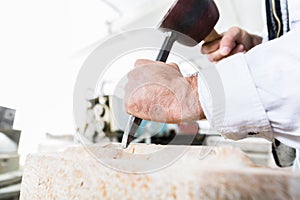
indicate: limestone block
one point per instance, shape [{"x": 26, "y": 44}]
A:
[{"x": 97, "y": 172}]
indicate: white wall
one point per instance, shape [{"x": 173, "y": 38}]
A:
[{"x": 39, "y": 40}]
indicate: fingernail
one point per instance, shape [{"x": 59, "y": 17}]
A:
[{"x": 225, "y": 51}]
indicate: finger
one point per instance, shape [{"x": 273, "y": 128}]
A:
[
  {"x": 228, "y": 41},
  {"x": 210, "y": 47},
  {"x": 216, "y": 56},
  {"x": 238, "y": 49},
  {"x": 141, "y": 62}
]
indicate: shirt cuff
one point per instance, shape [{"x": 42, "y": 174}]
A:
[{"x": 230, "y": 101}]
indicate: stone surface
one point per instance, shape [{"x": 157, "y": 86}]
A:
[{"x": 200, "y": 173}]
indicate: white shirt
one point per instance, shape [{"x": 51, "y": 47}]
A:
[{"x": 257, "y": 93}]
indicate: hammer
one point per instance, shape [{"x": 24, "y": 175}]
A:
[{"x": 188, "y": 22}]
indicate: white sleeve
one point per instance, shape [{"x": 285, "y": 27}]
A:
[{"x": 260, "y": 94}]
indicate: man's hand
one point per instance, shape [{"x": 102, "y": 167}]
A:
[
  {"x": 158, "y": 92},
  {"x": 233, "y": 41}
]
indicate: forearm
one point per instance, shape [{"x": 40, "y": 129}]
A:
[{"x": 230, "y": 101}]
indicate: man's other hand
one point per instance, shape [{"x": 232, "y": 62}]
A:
[{"x": 233, "y": 41}]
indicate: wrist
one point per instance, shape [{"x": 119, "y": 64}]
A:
[{"x": 193, "y": 82}]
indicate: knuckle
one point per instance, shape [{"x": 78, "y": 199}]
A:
[
  {"x": 234, "y": 32},
  {"x": 174, "y": 66},
  {"x": 138, "y": 62},
  {"x": 228, "y": 37},
  {"x": 234, "y": 29},
  {"x": 141, "y": 62},
  {"x": 132, "y": 74}
]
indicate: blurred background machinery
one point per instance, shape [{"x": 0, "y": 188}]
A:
[{"x": 10, "y": 172}]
